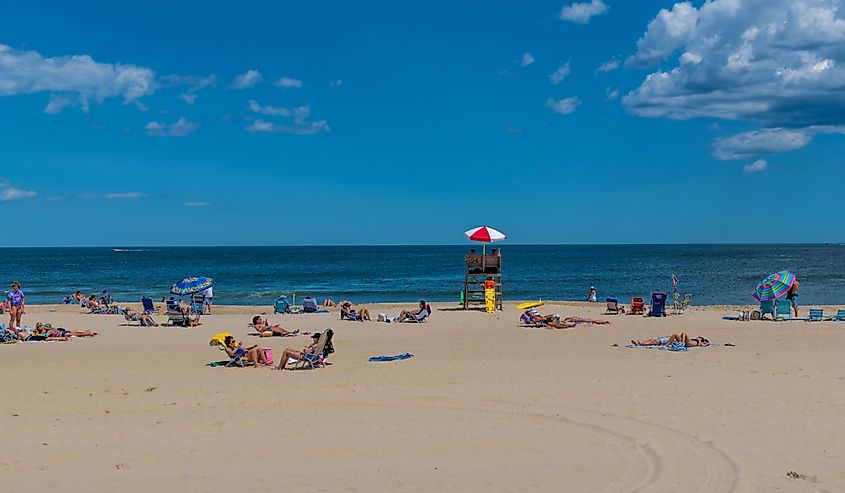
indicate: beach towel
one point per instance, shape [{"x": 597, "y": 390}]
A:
[
  {"x": 391, "y": 358},
  {"x": 667, "y": 348}
]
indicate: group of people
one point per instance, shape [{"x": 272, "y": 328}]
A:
[
  {"x": 41, "y": 332},
  {"x": 256, "y": 356}
]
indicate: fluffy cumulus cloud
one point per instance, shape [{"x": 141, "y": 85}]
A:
[
  {"x": 299, "y": 124},
  {"x": 527, "y": 59},
  {"x": 179, "y": 128},
  {"x": 256, "y": 107},
  {"x": 563, "y": 106},
  {"x": 288, "y": 82},
  {"x": 71, "y": 80},
  {"x": 756, "y": 166},
  {"x": 247, "y": 79},
  {"x": 777, "y": 63},
  {"x": 8, "y": 192},
  {"x": 561, "y": 73},
  {"x": 582, "y": 12}
]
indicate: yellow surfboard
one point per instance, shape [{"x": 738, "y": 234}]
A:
[{"x": 529, "y": 304}]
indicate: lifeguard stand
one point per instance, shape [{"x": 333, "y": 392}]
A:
[{"x": 478, "y": 267}]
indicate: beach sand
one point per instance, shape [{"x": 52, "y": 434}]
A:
[{"x": 483, "y": 406}]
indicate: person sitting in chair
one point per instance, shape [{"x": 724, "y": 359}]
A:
[
  {"x": 418, "y": 315},
  {"x": 252, "y": 354},
  {"x": 308, "y": 353},
  {"x": 349, "y": 312},
  {"x": 262, "y": 326}
]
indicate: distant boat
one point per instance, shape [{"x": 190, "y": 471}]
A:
[{"x": 125, "y": 250}]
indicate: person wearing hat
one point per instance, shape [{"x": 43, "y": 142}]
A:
[
  {"x": 592, "y": 296},
  {"x": 308, "y": 353}
]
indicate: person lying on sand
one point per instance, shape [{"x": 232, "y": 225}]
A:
[
  {"x": 663, "y": 341},
  {"x": 46, "y": 333},
  {"x": 579, "y": 320},
  {"x": 532, "y": 317},
  {"x": 252, "y": 354},
  {"x": 350, "y": 312},
  {"x": 262, "y": 326},
  {"x": 308, "y": 353}
]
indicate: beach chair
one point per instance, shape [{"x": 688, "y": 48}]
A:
[
  {"x": 197, "y": 304},
  {"x": 282, "y": 305},
  {"x": 767, "y": 307},
  {"x": 840, "y": 316},
  {"x": 129, "y": 320},
  {"x": 658, "y": 305},
  {"x": 783, "y": 308},
  {"x": 816, "y": 315},
  {"x": 421, "y": 317},
  {"x": 612, "y": 306},
  {"x": 147, "y": 303},
  {"x": 318, "y": 359},
  {"x": 219, "y": 340},
  {"x": 637, "y": 306}
]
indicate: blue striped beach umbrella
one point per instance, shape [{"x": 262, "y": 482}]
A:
[
  {"x": 191, "y": 285},
  {"x": 774, "y": 286}
]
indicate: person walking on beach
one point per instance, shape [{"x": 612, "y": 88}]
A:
[
  {"x": 792, "y": 296},
  {"x": 591, "y": 297},
  {"x": 207, "y": 299},
  {"x": 15, "y": 300}
]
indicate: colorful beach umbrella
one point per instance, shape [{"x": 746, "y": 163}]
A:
[
  {"x": 191, "y": 285},
  {"x": 774, "y": 286},
  {"x": 485, "y": 234}
]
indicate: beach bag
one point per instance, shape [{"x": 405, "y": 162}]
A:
[{"x": 268, "y": 353}]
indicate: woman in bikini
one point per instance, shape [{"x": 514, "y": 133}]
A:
[
  {"x": 262, "y": 325},
  {"x": 252, "y": 354},
  {"x": 309, "y": 353},
  {"x": 663, "y": 341}
]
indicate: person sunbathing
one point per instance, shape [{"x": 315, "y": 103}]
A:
[
  {"x": 262, "y": 326},
  {"x": 308, "y": 353},
  {"x": 419, "y": 314},
  {"x": 532, "y": 317},
  {"x": 92, "y": 303},
  {"x": 579, "y": 320},
  {"x": 252, "y": 354},
  {"x": 47, "y": 333},
  {"x": 350, "y": 312},
  {"x": 664, "y": 341},
  {"x": 144, "y": 319}
]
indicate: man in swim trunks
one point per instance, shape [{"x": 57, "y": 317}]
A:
[{"x": 792, "y": 296}]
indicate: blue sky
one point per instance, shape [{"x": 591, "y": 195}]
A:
[{"x": 319, "y": 122}]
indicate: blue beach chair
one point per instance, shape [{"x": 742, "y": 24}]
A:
[
  {"x": 816, "y": 315},
  {"x": 767, "y": 307},
  {"x": 783, "y": 307},
  {"x": 840, "y": 316},
  {"x": 282, "y": 305},
  {"x": 147, "y": 302},
  {"x": 612, "y": 306},
  {"x": 658, "y": 305}
]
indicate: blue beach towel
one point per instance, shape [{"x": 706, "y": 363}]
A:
[{"x": 391, "y": 358}]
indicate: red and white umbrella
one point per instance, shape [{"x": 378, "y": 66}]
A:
[{"x": 485, "y": 234}]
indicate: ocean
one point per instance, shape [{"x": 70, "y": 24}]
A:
[{"x": 712, "y": 274}]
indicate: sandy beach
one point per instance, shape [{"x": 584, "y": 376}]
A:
[{"x": 483, "y": 406}]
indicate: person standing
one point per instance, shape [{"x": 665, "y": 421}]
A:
[
  {"x": 591, "y": 297},
  {"x": 792, "y": 296},
  {"x": 207, "y": 299},
  {"x": 15, "y": 300}
]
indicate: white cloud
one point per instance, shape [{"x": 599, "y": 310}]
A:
[
  {"x": 255, "y": 107},
  {"x": 527, "y": 59},
  {"x": 8, "y": 192},
  {"x": 288, "y": 82},
  {"x": 561, "y": 73},
  {"x": 611, "y": 94},
  {"x": 247, "y": 79},
  {"x": 563, "y": 106},
  {"x": 309, "y": 128},
  {"x": 584, "y": 11},
  {"x": 179, "y": 128},
  {"x": 195, "y": 84},
  {"x": 74, "y": 79},
  {"x": 196, "y": 204},
  {"x": 608, "y": 66},
  {"x": 777, "y": 63},
  {"x": 756, "y": 166},
  {"x": 114, "y": 195}
]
